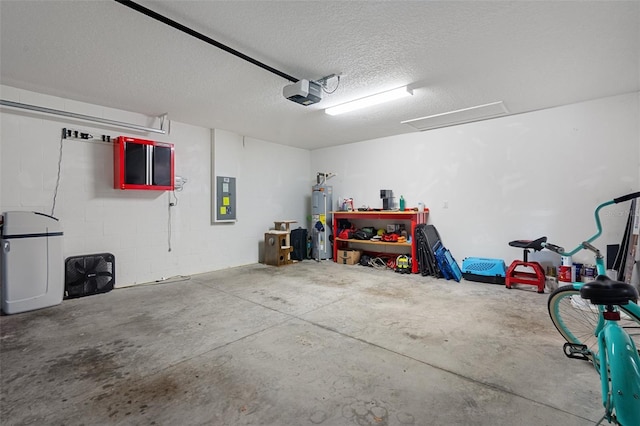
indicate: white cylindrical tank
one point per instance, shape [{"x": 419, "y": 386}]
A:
[{"x": 321, "y": 205}]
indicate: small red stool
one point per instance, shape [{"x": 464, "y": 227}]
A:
[{"x": 519, "y": 276}]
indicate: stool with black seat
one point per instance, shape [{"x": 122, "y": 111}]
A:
[{"x": 520, "y": 271}]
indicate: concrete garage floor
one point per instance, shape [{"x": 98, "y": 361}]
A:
[{"x": 305, "y": 344}]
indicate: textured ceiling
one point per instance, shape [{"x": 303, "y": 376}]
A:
[{"x": 454, "y": 54}]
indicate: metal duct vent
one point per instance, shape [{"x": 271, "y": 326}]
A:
[{"x": 466, "y": 115}]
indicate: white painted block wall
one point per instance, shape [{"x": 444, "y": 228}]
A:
[
  {"x": 523, "y": 176},
  {"x": 517, "y": 177},
  {"x": 134, "y": 225}
]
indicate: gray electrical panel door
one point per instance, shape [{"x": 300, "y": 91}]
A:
[{"x": 225, "y": 199}]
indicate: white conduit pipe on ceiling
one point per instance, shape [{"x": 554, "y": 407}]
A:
[{"x": 82, "y": 117}]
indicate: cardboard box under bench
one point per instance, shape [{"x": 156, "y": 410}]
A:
[{"x": 349, "y": 257}]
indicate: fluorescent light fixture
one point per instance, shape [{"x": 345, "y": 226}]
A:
[
  {"x": 465, "y": 115},
  {"x": 379, "y": 98}
]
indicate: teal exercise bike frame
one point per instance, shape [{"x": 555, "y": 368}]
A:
[{"x": 617, "y": 360}]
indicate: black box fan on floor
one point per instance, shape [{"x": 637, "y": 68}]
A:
[{"x": 89, "y": 274}]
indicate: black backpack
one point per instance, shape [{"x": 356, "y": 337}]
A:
[{"x": 299, "y": 244}]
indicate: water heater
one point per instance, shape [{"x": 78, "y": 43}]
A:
[{"x": 321, "y": 204}]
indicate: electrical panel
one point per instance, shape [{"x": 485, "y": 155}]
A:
[{"x": 225, "y": 203}]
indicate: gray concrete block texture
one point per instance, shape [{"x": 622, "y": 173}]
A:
[{"x": 304, "y": 344}]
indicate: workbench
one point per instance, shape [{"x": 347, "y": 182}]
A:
[{"x": 389, "y": 216}]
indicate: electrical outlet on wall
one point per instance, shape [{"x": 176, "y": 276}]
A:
[{"x": 445, "y": 204}]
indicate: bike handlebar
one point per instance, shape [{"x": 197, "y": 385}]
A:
[
  {"x": 617, "y": 200},
  {"x": 626, "y": 197},
  {"x": 554, "y": 248}
]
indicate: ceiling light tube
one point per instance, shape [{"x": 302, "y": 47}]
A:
[{"x": 370, "y": 101}]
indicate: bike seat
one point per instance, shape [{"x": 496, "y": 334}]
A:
[
  {"x": 528, "y": 244},
  {"x": 605, "y": 291}
]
